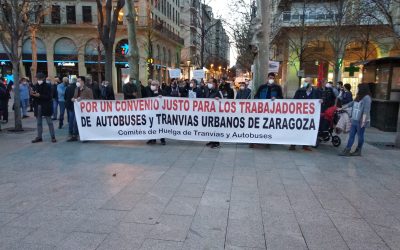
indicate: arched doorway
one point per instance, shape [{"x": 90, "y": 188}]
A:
[
  {"x": 5, "y": 64},
  {"x": 121, "y": 63},
  {"x": 94, "y": 59},
  {"x": 41, "y": 56},
  {"x": 66, "y": 57}
]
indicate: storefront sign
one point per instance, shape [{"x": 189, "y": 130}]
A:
[
  {"x": 66, "y": 64},
  {"x": 199, "y": 74},
  {"x": 247, "y": 121},
  {"x": 174, "y": 73}
]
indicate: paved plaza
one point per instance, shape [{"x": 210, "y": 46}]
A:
[{"x": 128, "y": 195}]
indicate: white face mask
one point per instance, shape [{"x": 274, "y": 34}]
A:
[
  {"x": 305, "y": 84},
  {"x": 78, "y": 84},
  {"x": 40, "y": 82},
  {"x": 153, "y": 88},
  {"x": 210, "y": 85},
  {"x": 242, "y": 87},
  {"x": 271, "y": 81},
  {"x": 328, "y": 85},
  {"x": 191, "y": 85}
]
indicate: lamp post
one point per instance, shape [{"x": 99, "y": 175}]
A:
[{"x": 188, "y": 62}]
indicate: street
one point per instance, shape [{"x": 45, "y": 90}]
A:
[{"x": 129, "y": 195}]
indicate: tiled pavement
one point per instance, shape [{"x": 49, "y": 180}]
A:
[{"x": 187, "y": 196}]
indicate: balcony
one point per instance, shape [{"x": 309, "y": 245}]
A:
[{"x": 142, "y": 23}]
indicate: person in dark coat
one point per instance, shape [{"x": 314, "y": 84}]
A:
[
  {"x": 307, "y": 91},
  {"x": 143, "y": 89},
  {"x": 244, "y": 92},
  {"x": 69, "y": 105},
  {"x": 269, "y": 90},
  {"x": 195, "y": 89},
  {"x": 4, "y": 99},
  {"x": 94, "y": 86},
  {"x": 226, "y": 90},
  {"x": 130, "y": 90},
  {"x": 107, "y": 91},
  {"x": 212, "y": 92},
  {"x": 328, "y": 96},
  {"x": 154, "y": 90},
  {"x": 41, "y": 92}
]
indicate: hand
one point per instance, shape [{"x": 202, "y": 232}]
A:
[
  {"x": 321, "y": 101},
  {"x": 216, "y": 98},
  {"x": 78, "y": 99},
  {"x": 159, "y": 96},
  {"x": 273, "y": 98}
]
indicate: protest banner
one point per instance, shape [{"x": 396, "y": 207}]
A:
[
  {"x": 291, "y": 122},
  {"x": 199, "y": 74},
  {"x": 174, "y": 73}
]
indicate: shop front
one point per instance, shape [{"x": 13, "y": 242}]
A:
[
  {"x": 66, "y": 58},
  {"x": 94, "y": 60},
  {"x": 27, "y": 57}
]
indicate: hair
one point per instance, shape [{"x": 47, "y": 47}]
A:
[
  {"x": 82, "y": 78},
  {"x": 155, "y": 82},
  {"x": 363, "y": 90},
  {"x": 215, "y": 81},
  {"x": 347, "y": 86},
  {"x": 40, "y": 76},
  {"x": 271, "y": 74},
  {"x": 340, "y": 83}
]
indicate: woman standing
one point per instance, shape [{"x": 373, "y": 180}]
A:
[{"x": 360, "y": 119}]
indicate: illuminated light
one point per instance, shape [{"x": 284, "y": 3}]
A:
[
  {"x": 125, "y": 49},
  {"x": 360, "y": 75},
  {"x": 330, "y": 76},
  {"x": 66, "y": 64}
]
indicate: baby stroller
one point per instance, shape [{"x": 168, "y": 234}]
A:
[{"x": 326, "y": 131}]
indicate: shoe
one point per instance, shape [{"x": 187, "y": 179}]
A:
[
  {"x": 150, "y": 142},
  {"x": 209, "y": 144},
  {"x": 215, "y": 145},
  {"x": 53, "y": 140},
  {"x": 73, "y": 138},
  {"x": 37, "y": 139},
  {"x": 267, "y": 146},
  {"x": 54, "y": 119},
  {"x": 60, "y": 126},
  {"x": 307, "y": 148},
  {"x": 251, "y": 145},
  {"x": 292, "y": 147},
  {"x": 25, "y": 116},
  {"x": 357, "y": 152},
  {"x": 163, "y": 142},
  {"x": 345, "y": 152}
]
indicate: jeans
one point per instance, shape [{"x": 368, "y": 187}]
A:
[
  {"x": 24, "y": 106},
  {"x": 55, "y": 111},
  {"x": 356, "y": 129},
  {"x": 62, "y": 112},
  {"x": 39, "y": 120},
  {"x": 72, "y": 125}
]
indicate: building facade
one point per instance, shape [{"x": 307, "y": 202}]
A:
[
  {"x": 68, "y": 44},
  {"x": 327, "y": 40}
]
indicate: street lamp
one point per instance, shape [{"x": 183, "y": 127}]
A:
[{"x": 188, "y": 62}]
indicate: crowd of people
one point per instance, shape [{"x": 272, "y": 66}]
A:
[{"x": 51, "y": 99}]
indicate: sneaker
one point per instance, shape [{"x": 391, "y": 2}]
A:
[
  {"x": 60, "y": 126},
  {"x": 73, "y": 138},
  {"x": 163, "y": 142},
  {"x": 53, "y": 140},
  {"x": 150, "y": 142},
  {"x": 37, "y": 139}
]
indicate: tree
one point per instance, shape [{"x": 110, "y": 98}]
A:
[
  {"x": 16, "y": 18},
  {"x": 133, "y": 55},
  {"x": 107, "y": 29}
]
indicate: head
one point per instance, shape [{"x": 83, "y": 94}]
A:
[
  {"x": 65, "y": 80},
  {"x": 81, "y": 81},
  {"x": 149, "y": 81},
  {"x": 242, "y": 86},
  {"x": 329, "y": 84},
  {"x": 339, "y": 84},
  {"x": 56, "y": 79},
  {"x": 363, "y": 90},
  {"x": 132, "y": 80},
  {"x": 40, "y": 78},
  {"x": 193, "y": 83},
  {"x": 271, "y": 78},
  {"x": 48, "y": 81},
  {"x": 347, "y": 87},
  {"x": 73, "y": 80},
  {"x": 223, "y": 80},
  {"x": 155, "y": 85},
  {"x": 23, "y": 80}
]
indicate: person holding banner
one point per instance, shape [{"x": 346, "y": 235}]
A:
[
  {"x": 212, "y": 92},
  {"x": 82, "y": 92},
  {"x": 225, "y": 88},
  {"x": 195, "y": 89},
  {"x": 244, "y": 92},
  {"x": 130, "y": 90},
  {"x": 154, "y": 90}
]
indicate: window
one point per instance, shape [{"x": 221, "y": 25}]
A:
[
  {"x": 71, "y": 15},
  {"x": 87, "y": 14},
  {"x": 55, "y": 14}
]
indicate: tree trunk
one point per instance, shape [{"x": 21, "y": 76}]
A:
[
  {"x": 99, "y": 52},
  {"x": 34, "y": 53},
  {"x": 133, "y": 55},
  {"x": 17, "y": 99},
  {"x": 108, "y": 63},
  {"x": 397, "y": 141}
]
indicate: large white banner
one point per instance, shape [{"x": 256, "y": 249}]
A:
[{"x": 248, "y": 121}]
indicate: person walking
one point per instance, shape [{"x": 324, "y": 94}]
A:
[
  {"x": 154, "y": 90},
  {"x": 61, "y": 88},
  {"x": 24, "y": 96},
  {"x": 306, "y": 92},
  {"x": 212, "y": 92},
  {"x": 130, "y": 90},
  {"x": 41, "y": 92},
  {"x": 360, "y": 119},
  {"x": 244, "y": 92},
  {"x": 82, "y": 92}
]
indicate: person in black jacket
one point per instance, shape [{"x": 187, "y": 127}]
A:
[
  {"x": 328, "y": 96},
  {"x": 41, "y": 92},
  {"x": 269, "y": 90},
  {"x": 107, "y": 91},
  {"x": 4, "y": 99},
  {"x": 226, "y": 90},
  {"x": 130, "y": 90},
  {"x": 69, "y": 105},
  {"x": 195, "y": 89},
  {"x": 154, "y": 90},
  {"x": 212, "y": 92},
  {"x": 244, "y": 92}
]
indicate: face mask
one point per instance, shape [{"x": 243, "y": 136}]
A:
[
  {"x": 78, "y": 84},
  {"x": 153, "y": 88},
  {"x": 271, "y": 81},
  {"x": 328, "y": 85},
  {"x": 305, "y": 84},
  {"x": 242, "y": 87},
  {"x": 191, "y": 85},
  {"x": 210, "y": 85},
  {"x": 40, "y": 82}
]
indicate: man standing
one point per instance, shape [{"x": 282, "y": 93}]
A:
[
  {"x": 269, "y": 90},
  {"x": 24, "y": 96},
  {"x": 130, "y": 90},
  {"x": 226, "y": 90},
  {"x": 328, "y": 96},
  {"x": 154, "y": 90},
  {"x": 107, "y": 91},
  {"x": 69, "y": 105},
  {"x": 43, "y": 107},
  {"x": 82, "y": 92},
  {"x": 307, "y": 91},
  {"x": 4, "y": 98},
  {"x": 61, "y": 88}
]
